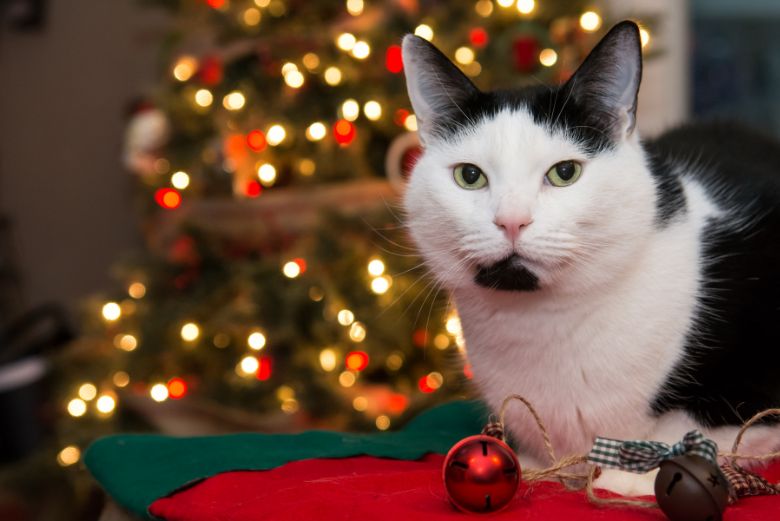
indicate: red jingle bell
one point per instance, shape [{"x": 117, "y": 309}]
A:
[{"x": 481, "y": 474}]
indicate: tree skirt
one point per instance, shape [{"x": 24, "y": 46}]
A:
[{"x": 327, "y": 475}]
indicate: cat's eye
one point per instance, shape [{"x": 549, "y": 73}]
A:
[
  {"x": 564, "y": 173},
  {"x": 469, "y": 176}
]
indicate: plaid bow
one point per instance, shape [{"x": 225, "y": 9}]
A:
[{"x": 643, "y": 456}]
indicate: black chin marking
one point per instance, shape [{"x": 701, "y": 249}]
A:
[{"x": 507, "y": 275}]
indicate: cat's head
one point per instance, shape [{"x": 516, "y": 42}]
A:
[{"x": 532, "y": 188}]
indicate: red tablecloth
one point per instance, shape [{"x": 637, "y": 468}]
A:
[{"x": 375, "y": 489}]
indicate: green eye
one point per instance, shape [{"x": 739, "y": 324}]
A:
[
  {"x": 469, "y": 176},
  {"x": 564, "y": 173}
]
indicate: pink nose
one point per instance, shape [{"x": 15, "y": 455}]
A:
[{"x": 512, "y": 226}]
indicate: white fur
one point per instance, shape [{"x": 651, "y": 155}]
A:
[{"x": 592, "y": 347}]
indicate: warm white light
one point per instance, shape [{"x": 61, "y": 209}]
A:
[
  {"x": 328, "y": 359},
  {"x": 159, "y": 392},
  {"x": 77, "y": 407},
  {"x": 376, "y": 267},
  {"x": 105, "y": 404},
  {"x": 350, "y": 110},
  {"x": 275, "y": 135},
  {"x": 87, "y": 391},
  {"x": 505, "y": 3},
  {"x": 373, "y": 110},
  {"x": 410, "y": 123},
  {"x": 121, "y": 379},
  {"x": 590, "y": 21},
  {"x": 345, "y": 317},
  {"x": 357, "y": 332},
  {"x": 125, "y": 342},
  {"x": 355, "y": 7},
  {"x": 204, "y": 97},
  {"x": 288, "y": 67},
  {"x": 548, "y": 57},
  {"x": 294, "y": 79},
  {"x": 380, "y": 285},
  {"x": 464, "y": 55},
  {"x": 424, "y": 31},
  {"x": 360, "y": 403},
  {"x": 185, "y": 68},
  {"x": 316, "y": 131},
  {"x": 453, "y": 325},
  {"x": 644, "y": 36},
  {"x": 111, "y": 311},
  {"x": 361, "y": 50},
  {"x": 394, "y": 361},
  {"x": 68, "y": 456},
  {"x": 256, "y": 341},
  {"x": 346, "y": 41},
  {"x": 291, "y": 269},
  {"x": 180, "y": 180},
  {"x": 311, "y": 61},
  {"x": 136, "y": 290},
  {"x": 441, "y": 341},
  {"x": 190, "y": 332},
  {"x": 262, "y": 3},
  {"x": 484, "y": 8},
  {"x": 526, "y": 6},
  {"x": 347, "y": 379},
  {"x": 333, "y": 76},
  {"x": 383, "y": 422},
  {"x": 307, "y": 167},
  {"x": 252, "y": 16},
  {"x": 434, "y": 380},
  {"x": 234, "y": 101},
  {"x": 249, "y": 365},
  {"x": 267, "y": 174}
]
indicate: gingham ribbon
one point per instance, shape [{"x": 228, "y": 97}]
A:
[{"x": 643, "y": 456}]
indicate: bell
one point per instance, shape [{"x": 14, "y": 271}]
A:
[{"x": 691, "y": 488}]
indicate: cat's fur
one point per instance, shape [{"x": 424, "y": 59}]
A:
[{"x": 648, "y": 301}]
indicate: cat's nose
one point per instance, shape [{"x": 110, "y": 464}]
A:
[{"x": 512, "y": 225}]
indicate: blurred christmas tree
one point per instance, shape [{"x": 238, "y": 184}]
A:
[{"x": 278, "y": 286}]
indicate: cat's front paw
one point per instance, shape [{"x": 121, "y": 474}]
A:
[{"x": 627, "y": 483}]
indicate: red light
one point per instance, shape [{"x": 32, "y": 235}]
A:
[
  {"x": 400, "y": 117},
  {"x": 253, "y": 189},
  {"x": 478, "y": 37},
  {"x": 420, "y": 338},
  {"x": 467, "y": 372},
  {"x": 357, "y": 360},
  {"x": 210, "y": 71},
  {"x": 393, "y": 59},
  {"x": 422, "y": 383},
  {"x": 216, "y": 4},
  {"x": 301, "y": 263},
  {"x": 167, "y": 198},
  {"x": 344, "y": 132},
  {"x": 256, "y": 140},
  {"x": 264, "y": 369},
  {"x": 397, "y": 403},
  {"x": 177, "y": 388}
]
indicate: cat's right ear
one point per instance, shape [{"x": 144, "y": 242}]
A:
[{"x": 437, "y": 88}]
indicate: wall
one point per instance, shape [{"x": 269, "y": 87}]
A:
[{"x": 63, "y": 90}]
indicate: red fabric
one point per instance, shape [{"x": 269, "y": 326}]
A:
[{"x": 374, "y": 489}]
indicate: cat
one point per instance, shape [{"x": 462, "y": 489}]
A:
[{"x": 629, "y": 289}]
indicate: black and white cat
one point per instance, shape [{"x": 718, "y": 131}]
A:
[{"x": 630, "y": 289}]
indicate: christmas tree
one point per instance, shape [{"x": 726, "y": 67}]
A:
[{"x": 278, "y": 285}]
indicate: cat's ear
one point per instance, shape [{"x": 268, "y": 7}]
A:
[
  {"x": 437, "y": 88},
  {"x": 607, "y": 82}
]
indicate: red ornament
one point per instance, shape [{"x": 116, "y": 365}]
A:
[
  {"x": 344, "y": 132},
  {"x": 393, "y": 60},
  {"x": 167, "y": 198},
  {"x": 481, "y": 474},
  {"x": 525, "y": 50},
  {"x": 478, "y": 37}
]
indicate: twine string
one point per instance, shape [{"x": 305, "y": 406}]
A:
[{"x": 735, "y": 455}]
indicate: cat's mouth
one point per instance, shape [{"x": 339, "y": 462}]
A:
[{"x": 509, "y": 274}]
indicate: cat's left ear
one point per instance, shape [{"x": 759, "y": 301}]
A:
[{"x": 607, "y": 82}]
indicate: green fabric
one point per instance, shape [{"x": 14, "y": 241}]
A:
[{"x": 137, "y": 469}]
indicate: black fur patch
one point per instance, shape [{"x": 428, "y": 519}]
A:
[
  {"x": 507, "y": 275},
  {"x": 670, "y": 195},
  {"x": 731, "y": 367}
]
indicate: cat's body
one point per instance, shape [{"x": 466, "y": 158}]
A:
[{"x": 640, "y": 301}]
